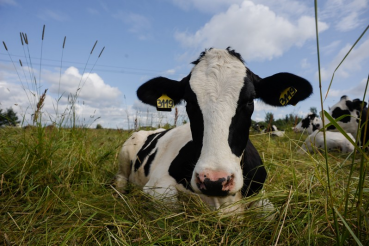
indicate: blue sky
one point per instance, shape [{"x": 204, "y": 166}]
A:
[{"x": 145, "y": 39}]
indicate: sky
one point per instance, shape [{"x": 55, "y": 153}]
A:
[{"x": 144, "y": 39}]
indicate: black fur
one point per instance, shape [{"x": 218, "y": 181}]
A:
[
  {"x": 146, "y": 149},
  {"x": 254, "y": 173},
  {"x": 182, "y": 166},
  {"x": 337, "y": 112},
  {"x": 270, "y": 88},
  {"x": 148, "y": 163}
]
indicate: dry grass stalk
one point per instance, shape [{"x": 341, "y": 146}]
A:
[
  {"x": 175, "y": 116},
  {"x": 39, "y": 106}
]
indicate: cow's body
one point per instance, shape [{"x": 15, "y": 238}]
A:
[
  {"x": 309, "y": 124},
  {"x": 349, "y": 123},
  {"x": 212, "y": 155},
  {"x": 334, "y": 140}
]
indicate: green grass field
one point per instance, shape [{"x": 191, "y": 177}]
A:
[{"x": 56, "y": 190}]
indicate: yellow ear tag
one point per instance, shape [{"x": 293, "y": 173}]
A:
[
  {"x": 286, "y": 95},
  {"x": 164, "y": 103}
]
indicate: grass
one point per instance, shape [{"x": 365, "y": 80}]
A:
[{"x": 56, "y": 189}]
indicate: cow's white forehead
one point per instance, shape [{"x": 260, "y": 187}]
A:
[
  {"x": 218, "y": 78},
  {"x": 341, "y": 103}
]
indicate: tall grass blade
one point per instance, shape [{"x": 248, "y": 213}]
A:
[
  {"x": 366, "y": 29},
  {"x": 348, "y": 228},
  {"x": 330, "y": 198},
  {"x": 77, "y": 229},
  {"x": 42, "y": 45}
]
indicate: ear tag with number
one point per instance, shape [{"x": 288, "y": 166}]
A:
[
  {"x": 164, "y": 103},
  {"x": 287, "y": 95}
]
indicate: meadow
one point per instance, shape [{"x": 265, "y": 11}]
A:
[{"x": 56, "y": 189}]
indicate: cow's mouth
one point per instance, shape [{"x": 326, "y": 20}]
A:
[{"x": 220, "y": 187}]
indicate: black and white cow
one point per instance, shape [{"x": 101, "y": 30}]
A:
[
  {"x": 334, "y": 140},
  {"x": 350, "y": 123},
  {"x": 212, "y": 155},
  {"x": 309, "y": 124}
]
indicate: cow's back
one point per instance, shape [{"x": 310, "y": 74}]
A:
[{"x": 147, "y": 155}]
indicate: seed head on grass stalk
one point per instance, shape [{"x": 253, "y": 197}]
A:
[{"x": 39, "y": 106}]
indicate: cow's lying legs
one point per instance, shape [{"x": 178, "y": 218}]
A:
[
  {"x": 162, "y": 188},
  {"x": 121, "y": 178}
]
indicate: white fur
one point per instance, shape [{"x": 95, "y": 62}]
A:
[
  {"x": 217, "y": 81},
  {"x": 159, "y": 183},
  {"x": 350, "y": 126},
  {"x": 335, "y": 140}
]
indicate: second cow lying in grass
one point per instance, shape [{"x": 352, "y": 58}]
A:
[{"x": 334, "y": 140}]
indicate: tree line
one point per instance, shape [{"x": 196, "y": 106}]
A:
[{"x": 8, "y": 117}]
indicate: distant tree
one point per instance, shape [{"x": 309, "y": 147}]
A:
[
  {"x": 9, "y": 117},
  {"x": 269, "y": 118},
  {"x": 98, "y": 126},
  {"x": 313, "y": 110}
]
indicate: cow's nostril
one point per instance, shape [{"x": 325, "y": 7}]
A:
[{"x": 217, "y": 186}]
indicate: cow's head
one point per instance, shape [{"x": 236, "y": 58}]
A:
[
  {"x": 310, "y": 123},
  {"x": 219, "y": 93},
  {"x": 346, "y": 107}
]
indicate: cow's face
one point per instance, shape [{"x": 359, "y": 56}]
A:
[
  {"x": 310, "y": 123},
  {"x": 219, "y": 94},
  {"x": 346, "y": 107}
]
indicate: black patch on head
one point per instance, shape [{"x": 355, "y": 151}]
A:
[
  {"x": 343, "y": 97},
  {"x": 315, "y": 127},
  {"x": 182, "y": 166},
  {"x": 337, "y": 112},
  {"x": 305, "y": 122},
  {"x": 235, "y": 54},
  {"x": 253, "y": 77},
  {"x": 240, "y": 125},
  {"x": 146, "y": 149},
  {"x": 254, "y": 173},
  {"x": 331, "y": 127},
  {"x": 148, "y": 163}
]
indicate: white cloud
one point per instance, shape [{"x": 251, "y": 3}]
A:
[
  {"x": 94, "y": 91},
  {"x": 93, "y": 11},
  {"x": 207, "y": 6},
  {"x": 349, "y": 22},
  {"x": 352, "y": 63},
  {"x": 304, "y": 63},
  {"x": 136, "y": 22},
  {"x": 352, "y": 92},
  {"x": 49, "y": 14},
  {"x": 96, "y": 98},
  {"x": 351, "y": 13},
  {"x": 8, "y": 2},
  {"x": 253, "y": 30},
  {"x": 328, "y": 49}
]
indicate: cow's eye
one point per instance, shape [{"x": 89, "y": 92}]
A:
[{"x": 250, "y": 102}]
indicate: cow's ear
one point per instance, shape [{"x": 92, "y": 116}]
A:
[
  {"x": 356, "y": 104},
  {"x": 282, "y": 89},
  {"x": 150, "y": 91}
]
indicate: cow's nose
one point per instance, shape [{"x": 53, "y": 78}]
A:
[{"x": 215, "y": 183}]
